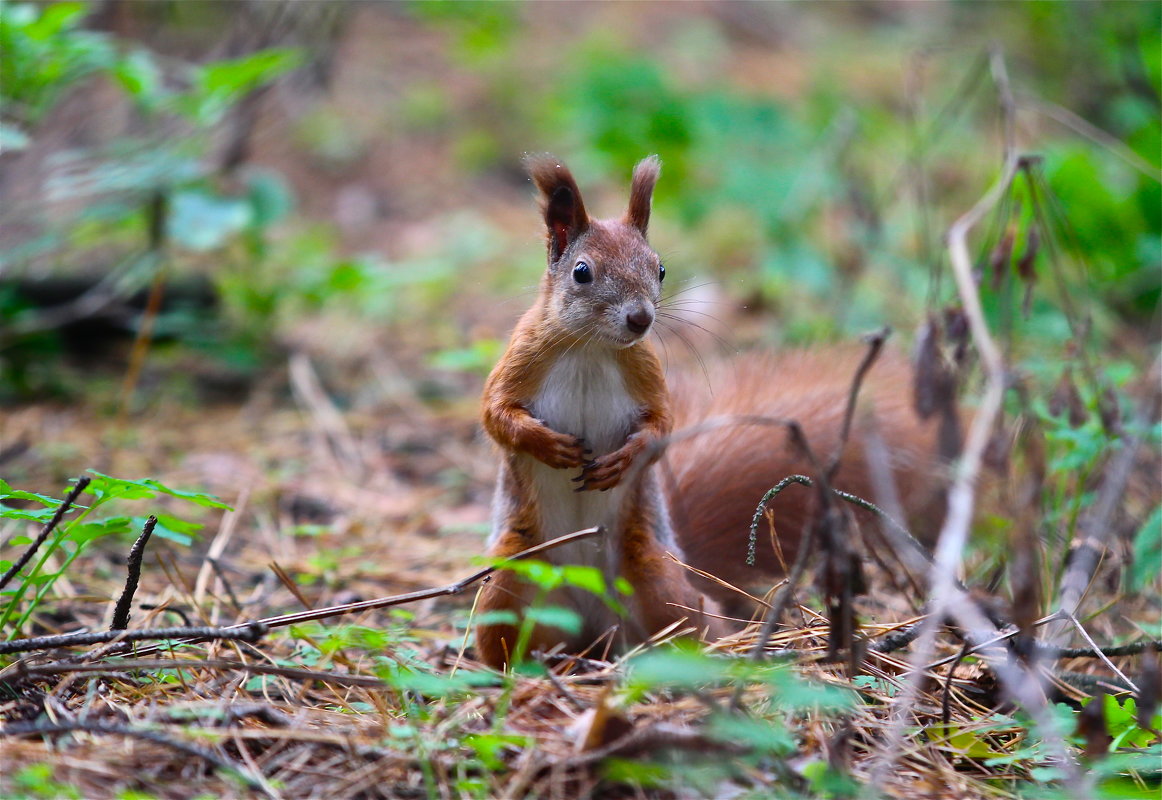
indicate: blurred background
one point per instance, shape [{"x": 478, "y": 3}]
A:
[
  {"x": 270, "y": 249},
  {"x": 275, "y": 246}
]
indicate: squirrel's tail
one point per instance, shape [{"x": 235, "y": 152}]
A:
[{"x": 715, "y": 478}]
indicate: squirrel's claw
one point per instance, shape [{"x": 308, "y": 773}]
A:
[{"x": 606, "y": 472}]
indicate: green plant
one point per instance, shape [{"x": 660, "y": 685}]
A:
[
  {"x": 152, "y": 200},
  {"x": 75, "y": 533},
  {"x": 546, "y": 578},
  {"x": 782, "y": 707},
  {"x": 1128, "y": 769},
  {"x": 45, "y": 52},
  {"x": 36, "y": 781}
]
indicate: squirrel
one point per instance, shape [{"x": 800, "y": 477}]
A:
[{"x": 579, "y": 406}]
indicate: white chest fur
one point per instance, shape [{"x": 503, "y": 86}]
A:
[{"x": 585, "y": 395}]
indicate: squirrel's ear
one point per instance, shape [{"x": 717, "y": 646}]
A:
[
  {"x": 641, "y": 192},
  {"x": 564, "y": 211}
]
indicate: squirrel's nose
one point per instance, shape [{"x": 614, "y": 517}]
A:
[{"x": 639, "y": 319}]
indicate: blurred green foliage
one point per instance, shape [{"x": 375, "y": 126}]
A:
[
  {"x": 143, "y": 197},
  {"x": 802, "y": 200},
  {"x": 45, "y": 52},
  {"x": 807, "y": 203}
]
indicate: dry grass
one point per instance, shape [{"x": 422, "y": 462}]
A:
[{"x": 294, "y": 716}]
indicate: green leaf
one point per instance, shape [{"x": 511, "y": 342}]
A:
[
  {"x": 174, "y": 524},
  {"x": 565, "y": 619},
  {"x": 589, "y": 578},
  {"x": 764, "y": 736},
  {"x": 7, "y": 492},
  {"x": 827, "y": 781},
  {"x": 12, "y": 139},
  {"x": 170, "y": 528},
  {"x": 677, "y": 667},
  {"x": 85, "y": 532},
  {"x": 635, "y": 773},
  {"x": 489, "y": 746},
  {"x": 497, "y": 618},
  {"x": 270, "y": 198},
  {"x": 138, "y": 73},
  {"x": 433, "y": 685},
  {"x": 202, "y": 221},
  {"x": 238, "y": 75},
  {"x": 1147, "y": 563},
  {"x": 795, "y": 693},
  {"x": 147, "y": 487},
  {"x": 544, "y": 575},
  {"x": 41, "y": 579},
  {"x": 968, "y": 743},
  {"x": 54, "y": 18},
  {"x": 37, "y": 515}
]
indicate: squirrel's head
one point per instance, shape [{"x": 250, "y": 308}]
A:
[{"x": 604, "y": 280}]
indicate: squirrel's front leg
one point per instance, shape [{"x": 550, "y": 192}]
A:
[{"x": 513, "y": 427}]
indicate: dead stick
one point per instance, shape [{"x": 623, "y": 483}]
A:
[
  {"x": 62, "y": 509},
  {"x": 875, "y": 344},
  {"x": 125, "y": 602},
  {"x": 22, "y": 669},
  {"x": 806, "y": 546},
  {"x": 247, "y": 632},
  {"x": 311, "y": 615},
  {"x": 1095, "y": 525}
]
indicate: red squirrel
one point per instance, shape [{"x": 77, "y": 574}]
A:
[{"x": 580, "y": 397}]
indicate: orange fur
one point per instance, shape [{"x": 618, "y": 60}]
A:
[{"x": 719, "y": 477}]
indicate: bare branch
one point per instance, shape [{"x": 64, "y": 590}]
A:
[
  {"x": 22, "y": 669},
  {"x": 136, "y": 553},
  {"x": 246, "y": 632},
  {"x": 46, "y": 531},
  {"x": 311, "y": 615}
]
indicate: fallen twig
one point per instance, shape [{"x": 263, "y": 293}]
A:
[
  {"x": 459, "y": 586},
  {"x": 837, "y": 572},
  {"x": 851, "y": 498},
  {"x": 22, "y": 669},
  {"x": 125, "y": 602},
  {"x": 782, "y": 600},
  {"x": 897, "y": 639},
  {"x": 1095, "y": 527},
  {"x": 1113, "y": 651},
  {"x": 246, "y": 632}
]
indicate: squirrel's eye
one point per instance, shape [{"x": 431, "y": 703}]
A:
[
  {"x": 582, "y": 273},
  {"x": 661, "y": 272}
]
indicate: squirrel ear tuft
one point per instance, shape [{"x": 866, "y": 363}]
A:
[
  {"x": 561, "y": 203},
  {"x": 641, "y": 192}
]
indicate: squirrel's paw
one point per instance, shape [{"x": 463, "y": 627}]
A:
[
  {"x": 559, "y": 450},
  {"x": 607, "y": 471}
]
